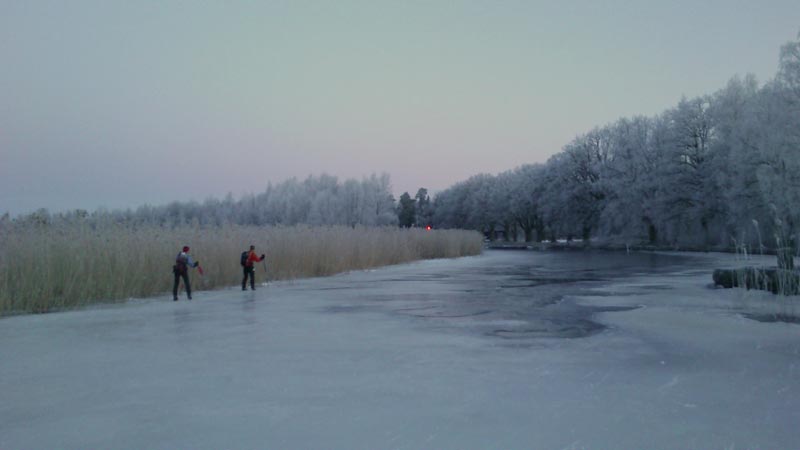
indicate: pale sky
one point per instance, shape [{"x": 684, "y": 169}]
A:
[{"x": 118, "y": 104}]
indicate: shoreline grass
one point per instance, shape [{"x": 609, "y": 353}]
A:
[{"x": 47, "y": 268}]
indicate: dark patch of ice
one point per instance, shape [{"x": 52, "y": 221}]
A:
[{"x": 773, "y": 318}]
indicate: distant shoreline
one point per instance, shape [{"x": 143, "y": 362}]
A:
[{"x": 579, "y": 245}]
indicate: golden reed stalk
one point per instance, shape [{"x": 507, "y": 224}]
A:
[{"x": 54, "y": 267}]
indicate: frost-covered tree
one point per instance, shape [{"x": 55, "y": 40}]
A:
[
  {"x": 384, "y": 201},
  {"x": 779, "y": 144},
  {"x": 525, "y": 186},
  {"x": 735, "y": 111},
  {"x": 694, "y": 197},
  {"x": 317, "y": 200},
  {"x": 449, "y": 210},
  {"x": 580, "y": 169},
  {"x": 714, "y": 169}
]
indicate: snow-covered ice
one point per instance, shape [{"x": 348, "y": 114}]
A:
[{"x": 510, "y": 349}]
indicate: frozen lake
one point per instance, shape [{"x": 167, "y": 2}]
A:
[{"x": 510, "y": 349}]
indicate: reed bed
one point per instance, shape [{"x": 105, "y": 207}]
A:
[{"x": 48, "y": 267}]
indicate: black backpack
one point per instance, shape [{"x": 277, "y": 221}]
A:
[
  {"x": 180, "y": 264},
  {"x": 243, "y": 260}
]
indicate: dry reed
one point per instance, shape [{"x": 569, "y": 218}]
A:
[{"x": 53, "y": 267}]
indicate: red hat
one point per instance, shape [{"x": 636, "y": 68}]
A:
[{"x": 186, "y": 248}]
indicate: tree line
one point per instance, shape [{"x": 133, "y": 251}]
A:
[
  {"x": 316, "y": 200},
  {"x": 320, "y": 200},
  {"x": 714, "y": 170}
]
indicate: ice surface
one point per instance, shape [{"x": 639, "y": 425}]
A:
[{"x": 504, "y": 350}]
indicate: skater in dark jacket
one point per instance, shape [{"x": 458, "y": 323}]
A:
[
  {"x": 181, "y": 270},
  {"x": 249, "y": 269}
]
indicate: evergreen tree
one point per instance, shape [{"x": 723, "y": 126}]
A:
[
  {"x": 406, "y": 211},
  {"x": 423, "y": 207}
]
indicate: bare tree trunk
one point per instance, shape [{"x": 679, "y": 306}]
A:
[
  {"x": 586, "y": 235},
  {"x": 539, "y": 231},
  {"x": 528, "y": 233}
]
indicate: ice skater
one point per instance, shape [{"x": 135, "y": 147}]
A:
[
  {"x": 181, "y": 270},
  {"x": 248, "y": 268}
]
